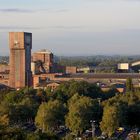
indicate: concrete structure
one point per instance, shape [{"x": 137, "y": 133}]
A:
[
  {"x": 45, "y": 57},
  {"x": 20, "y": 44}
]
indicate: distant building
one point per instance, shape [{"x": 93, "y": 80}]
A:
[
  {"x": 71, "y": 69},
  {"x": 85, "y": 70},
  {"x": 4, "y": 74},
  {"x": 20, "y": 44},
  {"x": 52, "y": 85},
  {"x": 4, "y": 68},
  {"x": 120, "y": 87},
  {"x": 45, "y": 58},
  {"x": 4, "y": 77},
  {"x": 59, "y": 68},
  {"x": 40, "y": 79},
  {"x": 135, "y": 66},
  {"x": 123, "y": 67}
]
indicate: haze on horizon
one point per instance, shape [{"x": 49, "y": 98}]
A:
[{"x": 74, "y": 27}]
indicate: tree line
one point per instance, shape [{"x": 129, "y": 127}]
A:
[{"x": 73, "y": 104}]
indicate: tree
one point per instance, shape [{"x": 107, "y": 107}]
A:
[
  {"x": 129, "y": 85},
  {"x": 49, "y": 115},
  {"x": 81, "y": 111},
  {"x": 3, "y": 93},
  {"x": 32, "y": 136},
  {"x": 110, "y": 120},
  {"x": 5, "y": 109},
  {"x": 17, "y": 112},
  {"x": 40, "y": 136},
  {"x": 83, "y": 88},
  {"x": 128, "y": 106},
  {"x": 133, "y": 115},
  {"x": 12, "y": 133},
  {"x": 30, "y": 105},
  {"x": 13, "y": 97},
  {"x": 49, "y": 93}
]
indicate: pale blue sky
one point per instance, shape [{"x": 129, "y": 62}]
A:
[{"x": 74, "y": 27}]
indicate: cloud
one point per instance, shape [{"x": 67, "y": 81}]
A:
[
  {"x": 19, "y": 28},
  {"x": 16, "y": 10}
]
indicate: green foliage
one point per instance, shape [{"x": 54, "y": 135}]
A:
[
  {"x": 68, "y": 89},
  {"x": 72, "y": 103},
  {"x": 49, "y": 115},
  {"x": 12, "y": 133},
  {"x": 109, "y": 94},
  {"x": 13, "y": 97},
  {"x": 69, "y": 137},
  {"x": 40, "y": 136},
  {"x": 98, "y": 60},
  {"x": 10, "y": 114},
  {"x": 110, "y": 120},
  {"x": 81, "y": 111},
  {"x": 49, "y": 93},
  {"x": 5, "y": 110},
  {"x": 3, "y": 93},
  {"x": 21, "y": 114},
  {"x": 133, "y": 115},
  {"x": 18, "y": 107},
  {"x": 129, "y": 85},
  {"x": 128, "y": 106},
  {"x": 33, "y": 136},
  {"x": 16, "y": 133}
]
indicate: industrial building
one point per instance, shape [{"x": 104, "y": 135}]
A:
[
  {"x": 20, "y": 44},
  {"x": 123, "y": 67},
  {"x": 42, "y": 62},
  {"x": 40, "y": 69},
  {"x": 129, "y": 67}
]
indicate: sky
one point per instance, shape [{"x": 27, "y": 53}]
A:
[{"x": 74, "y": 27}]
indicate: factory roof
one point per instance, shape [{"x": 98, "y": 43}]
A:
[{"x": 44, "y": 51}]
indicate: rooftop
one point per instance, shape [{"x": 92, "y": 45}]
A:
[{"x": 44, "y": 51}]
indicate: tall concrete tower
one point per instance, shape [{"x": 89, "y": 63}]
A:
[{"x": 20, "y": 44}]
